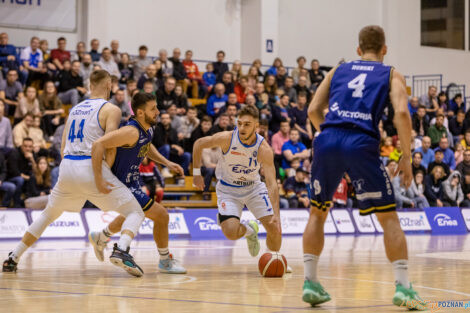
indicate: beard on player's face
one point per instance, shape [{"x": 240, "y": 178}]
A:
[{"x": 152, "y": 121}]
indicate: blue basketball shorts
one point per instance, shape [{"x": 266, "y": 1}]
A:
[{"x": 141, "y": 197}]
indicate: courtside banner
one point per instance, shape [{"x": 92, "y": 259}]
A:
[
  {"x": 329, "y": 227},
  {"x": 414, "y": 221},
  {"x": 248, "y": 216},
  {"x": 446, "y": 220},
  {"x": 68, "y": 225},
  {"x": 98, "y": 220},
  {"x": 13, "y": 223},
  {"x": 343, "y": 221},
  {"x": 363, "y": 222},
  {"x": 466, "y": 217},
  {"x": 202, "y": 224}
]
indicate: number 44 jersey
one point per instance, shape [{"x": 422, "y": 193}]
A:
[
  {"x": 359, "y": 94},
  {"x": 84, "y": 127}
]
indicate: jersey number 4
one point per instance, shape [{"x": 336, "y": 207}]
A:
[
  {"x": 79, "y": 135},
  {"x": 357, "y": 84}
]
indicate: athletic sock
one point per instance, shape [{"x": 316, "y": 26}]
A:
[
  {"x": 249, "y": 231},
  {"x": 105, "y": 234},
  {"x": 310, "y": 266},
  {"x": 400, "y": 270},
  {"x": 18, "y": 251},
  {"x": 124, "y": 242},
  {"x": 164, "y": 253}
]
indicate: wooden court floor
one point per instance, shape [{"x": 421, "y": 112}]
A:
[{"x": 64, "y": 276}]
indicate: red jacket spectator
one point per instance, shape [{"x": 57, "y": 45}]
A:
[
  {"x": 192, "y": 71},
  {"x": 341, "y": 194}
]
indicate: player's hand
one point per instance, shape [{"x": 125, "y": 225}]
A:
[
  {"x": 175, "y": 168},
  {"x": 404, "y": 165},
  {"x": 198, "y": 182},
  {"x": 103, "y": 186},
  {"x": 276, "y": 222}
]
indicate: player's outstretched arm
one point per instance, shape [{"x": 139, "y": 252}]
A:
[
  {"x": 320, "y": 101},
  {"x": 221, "y": 140},
  {"x": 156, "y": 156},
  {"x": 402, "y": 121},
  {"x": 125, "y": 136}
]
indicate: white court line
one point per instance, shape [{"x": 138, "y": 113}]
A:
[{"x": 40, "y": 297}]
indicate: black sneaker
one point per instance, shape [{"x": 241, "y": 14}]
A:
[
  {"x": 9, "y": 265},
  {"x": 123, "y": 259}
]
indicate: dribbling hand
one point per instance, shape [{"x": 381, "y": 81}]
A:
[
  {"x": 176, "y": 168},
  {"x": 198, "y": 182}
]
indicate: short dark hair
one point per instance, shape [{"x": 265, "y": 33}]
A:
[
  {"x": 130, "y": 81},
  {"x": 250, "y": 110},
  {"x": 459, "y": 95},
  {"x": 192, "y": 109},
  {"x": 140, "y": 100},
  {"x": 27, "y": 139},
  {"x": 234, "y": 105},
  {"x": 460, "y": 112},
  {"x": 284, "y": 120},
  {"x": 371, "y": 38},
  {"x": 61, "y": 38},
  {"x": 300, "y": 58},
  {"x": 105, "y": 49},
  {"x": 221, "y": 51},
  {"x": 302, "y": 94},
  {"x": 417, "y": 152},
  {"x": 98, "y": 76},
  {"x": 264, "y": 122},
  {"x": 294, "y": 130},
  {"x": 206, "y": 118},
  {"x": 143, "y": 47}
]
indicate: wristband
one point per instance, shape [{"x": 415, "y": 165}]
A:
[{"x": 196, "y": 172}]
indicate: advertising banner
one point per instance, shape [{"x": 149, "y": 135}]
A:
[
  {"x": 446, "y": 221},
  {"x": 466, "y": 217},
  {"x": 13, "y": 224},
  {"x": 68, "y": 225},
  {"x": 343, "y": 221},
  {"x": 364, "y": 223}
]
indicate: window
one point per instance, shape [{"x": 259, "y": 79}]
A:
[{"x": 443, "y": 23}]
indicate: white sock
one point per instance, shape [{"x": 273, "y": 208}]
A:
[
  {"x": 310, "y": 266},
  {"x": 124, "y": 242},
  {"x": 164, "y": 253},
  {"x": 249, "y": 230},
  {"x": 400, "y": 270},
  {"x": 18, "y": 251}
]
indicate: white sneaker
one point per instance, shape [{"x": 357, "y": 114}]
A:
[
  {"x": 166, "y": 173},
  {"x": 171, "y": 266},
  {"x": 252, "y": 240},
  {"x": 98, "y": 245}
]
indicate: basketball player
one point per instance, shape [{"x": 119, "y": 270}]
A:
[
  {"x": 82, "y": 178},
  {"x": 357, "y": 94},
  {"x": 133, "y": 143},
  {"x": 239, "y": 183}
]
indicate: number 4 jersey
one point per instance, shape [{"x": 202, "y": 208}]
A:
[
  {"x": 84, "y": 127},
  {"x": 359, "y": 94}
]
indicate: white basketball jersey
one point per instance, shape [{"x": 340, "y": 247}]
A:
[
  {"x": 84, "y": 127},
  {"x": 239, "y": 166}
]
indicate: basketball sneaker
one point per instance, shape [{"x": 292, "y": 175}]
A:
[
  {"x": 123, "y": 259},
  {"x": 9, "y": 265},
  {"x": 98, "y": 244},
  {"x": 314, "y": 293},
  {"x": 409, "y": 298},
  {"x": 170, "y": 266},
  {"x": 252, "y": 240}
]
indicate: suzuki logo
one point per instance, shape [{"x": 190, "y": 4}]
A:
[{"x": 445, "y": 220}]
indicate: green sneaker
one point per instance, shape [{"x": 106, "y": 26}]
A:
[
  {"x": 252, "y": 240},
  {"x": 408, "y": 298},
  {"x": 314, "y": 293}
]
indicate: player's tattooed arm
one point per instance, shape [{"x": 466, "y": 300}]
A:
[
  {"x": 320, "y": 101},
  {"x": 266, "y": 160}
]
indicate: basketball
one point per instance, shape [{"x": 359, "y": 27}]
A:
[{"x": 272, "y": 264}]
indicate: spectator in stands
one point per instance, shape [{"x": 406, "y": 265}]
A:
[
  {"x": 166, "y": 96},
  {"x": 8, "y": 188},
  {"x": 452, "y": 190},
  {"x": 149, "y": 75},
  {"x": 188, "y": 122},
  {"x": 302, "y": 87},
  {"x": 115, "y": 51},
  {"x": 217, "y": 100},
  {"x": 299, "y": 119},
  {"x": 294, "y": 149},
  {"x": 457, "y": 126},
  {"x": 71, "y": 87},
  {"x": 126, "y": 69},
  {"x": 242, "y": 89},
  {"x": 263, "y": 130},
  {"x": 51, "y": 108},
  {"x": 277, "y": 63},
  {"x": 254, "y": 76},
  {"x": 391, "y": 167},
  {"x": 290, "y": 90},
  {"x": 437, "y": 131},
  {"x": 421, "y": 121},
  {"x": 236, "y": 70},
  {"x": 429, "y": 101},
  {"x": 227, "y": 80},
  {"x": 22, "y": 129},
  {"x": 433, "y": 189},
  {"x": 141, "y": 62},
  {"x": 279, "y": 113},
  {"x": 220, "y": 67},
  {"x": 399, "y": 189},
  {"x": 27, "y": 104},
  {"x": 179, "y": 73},
  {"x": 457, "y": 104},
  {"x": 11, "y": 92},
  {"x": 152, "y": 179},
  {"x": 203, "y": 130},
  {"x": 277, "y": 142},
  {"x": 119, "y": 101},
  {"x": 449, "y": 157},
  {"x": 296, "y": 189},
  {"x": 210, "y": 158},
  {"x": 222, "y": 124},
  {"x": 300, "y": 66},
  {"x": 37, "y": 135},
  {"x": 416, "y": 163},
  {"x": 397, "y": 152},
  {"x": 40, "y": 180},
  {"x": 192, "y": 73},
  {"x": 95, "y": 46},
  {"x": 316, "y": 75},
  {"x": 32, "y": 60},
  {"x": 415, "y": 141},
  {"x": 439, "y": 161},
  {"x": 20, "y": 165},
  {"x": 426, "y": 151},
  {"x": 416, "y": 191},
  {"x": 232, "y": 111},
  {"x": 6, "y": 136},
  {"x": 466, "y": 191},
  {"x": 81, "y": 51},
  {"x": 209, "y": 79},
  {"x": 458, "y": 154},
  {"x": 86, "y": 68},
  {"x": 340, "y": 197},
  {"x": 443, "y": 103},
  {"x": 108, "y": 64},
  {"x": 182, "y": 102},
  {"x": 270, "y": 87},
  {"x": 60, "y": 55},
  {"x": 413, "y": 106},
  {"x": 149, "y": 87},
  {"x": 131, "y": 86},
  {"x": 466, "y": 139},
  {"x": 387, "y": 148},
  {"x": 281, "y": 77},
  {"x": 8, "y": 57},
  {"x": 257, "y": 64},
  {"x": 44, "y": 47},
  {"x": 168, "y": 144},
  {"x": 464, "y": 167}
]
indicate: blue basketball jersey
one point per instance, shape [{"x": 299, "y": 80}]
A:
[
  {"x": 128, "y": 159},
  {"x": 359, "y": 94}
]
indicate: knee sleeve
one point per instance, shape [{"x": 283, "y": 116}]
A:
[
  {"x": 49, "y": 215},
  {"x": 133, "y": 222}
]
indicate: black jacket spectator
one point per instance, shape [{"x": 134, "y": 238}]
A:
[
  {"x": 18, "y": 164},
  {"x": 179, "y": 73},
  {"x": 195, "y": 135},
  {"x": 433, "y": 190},
  {"x": 417, "y": 124},
  {"x": 219, "y": 69},
  {"x": 444, "y": 166},
  {"x": 164, "y": 136},
  {"x": 456, "y": 127},
  {"x": 68, "y": 81},
  {"x": 166, "y": 100},
  {"x": 3, "y": 168},
  {"x": 418, "y": 169}
]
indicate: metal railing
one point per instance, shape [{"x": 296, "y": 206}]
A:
[{"x": 421, "y": 83}]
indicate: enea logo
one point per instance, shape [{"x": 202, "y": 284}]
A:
[
  {"x": 206, "y": 223},
  {"x": 445, "y": 220}
]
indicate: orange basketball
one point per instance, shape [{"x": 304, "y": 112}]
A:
[{"x": 272, "y": 264}]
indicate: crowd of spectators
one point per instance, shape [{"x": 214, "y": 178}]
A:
[{"x": 37, "y": 85}]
